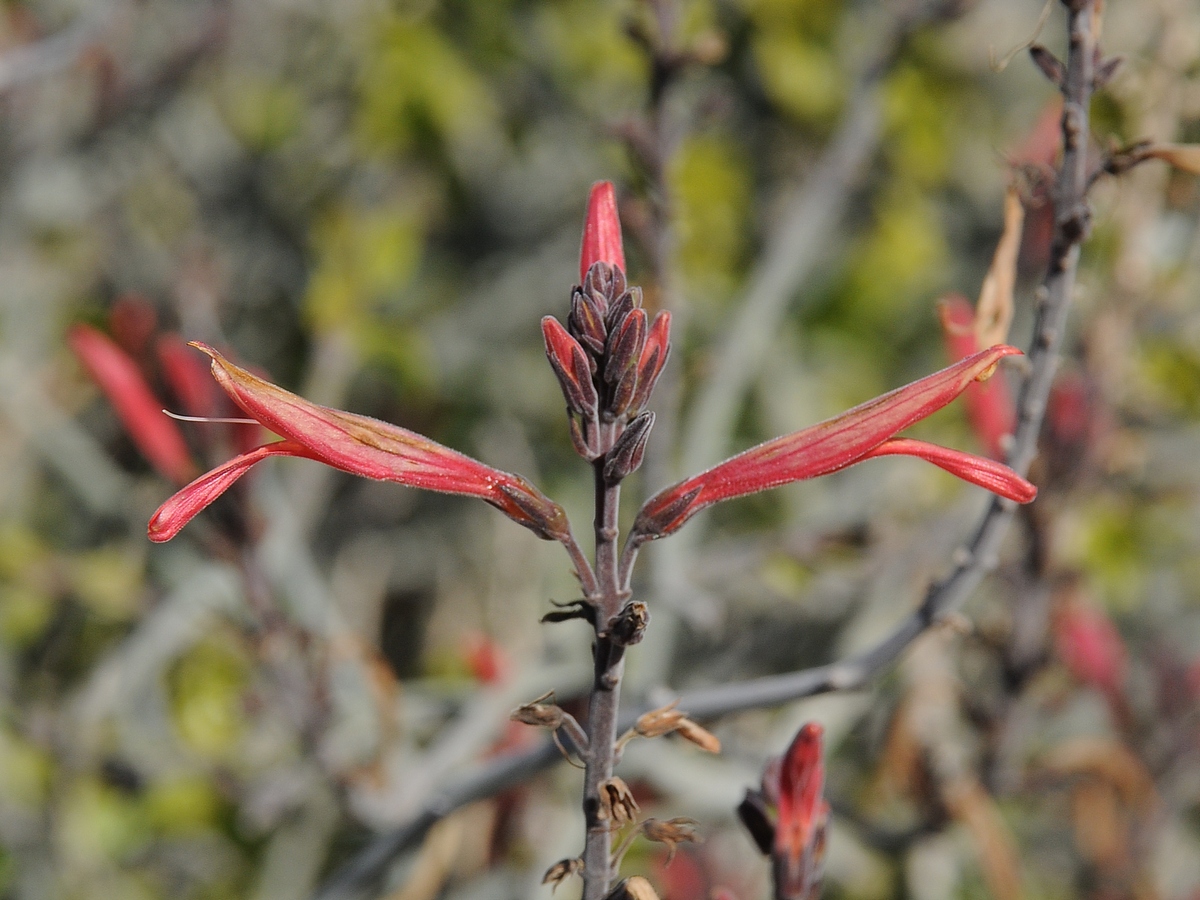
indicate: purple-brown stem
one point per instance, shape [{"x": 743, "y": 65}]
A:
[{"x": 606, "y": 687}]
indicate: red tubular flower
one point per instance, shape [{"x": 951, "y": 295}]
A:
[
  {"x": 859, "y": 434},
  {"x": 989, "y": 405},
  {"x": 1089, "y": 644},
  {"x": 601, "y": 231},
  {"x": 119, "y": 377},
  {"x": 801, "y": 817},
  {"x": 355, "y": 444}
]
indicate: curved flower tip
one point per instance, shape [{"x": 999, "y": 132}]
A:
[
  {"x": 837, "y": 443},
  {"x": 356, "y": 444},
  {"x": 140, "y": 411},
  {"x": 601, "y": 231}
]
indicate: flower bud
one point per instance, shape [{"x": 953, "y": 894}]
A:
[
  {"x": 601, "y": 230},
  {"x": 627, "y": 453},
  {"x": 570, "y": 364}
]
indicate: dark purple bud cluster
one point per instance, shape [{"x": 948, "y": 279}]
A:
[{"x": 608, "y": 360}]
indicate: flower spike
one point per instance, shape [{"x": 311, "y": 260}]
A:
[
  {"x": 858, "y": 434},
  {"x": 356, "y": 444},
  {"x": 601, "y": 231}
]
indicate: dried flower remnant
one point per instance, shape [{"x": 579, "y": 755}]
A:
[
  {"x": 669, "y": 720},
  {"x": 672, "y": 832},
  {"x": 617, "y": 803},
  {"x": 561, "y": 871},
  {"x": 862, "y": 433},
  {"x": 635, "y": 888},
  {"x": 356, "y": 444}
]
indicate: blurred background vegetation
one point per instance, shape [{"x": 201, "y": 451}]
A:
[{"x": 374, "y": 202}]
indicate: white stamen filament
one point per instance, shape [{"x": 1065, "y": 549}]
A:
[{"x": 213, "y": 419}]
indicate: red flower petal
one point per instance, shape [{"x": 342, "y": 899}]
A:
[
  {"x": 373, "y": 449},
  {"x": 818, "y": 450},
  {"x": 183, "y": 506},
  {"x": 119, "y": 377},
  {"x": 987, "y": 473},
  {"x": 990, "y": 408},
  {"x": 601, "y": 231}
]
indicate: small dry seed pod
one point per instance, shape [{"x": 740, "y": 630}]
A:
[
  {"x": 672, "y": 832},
  {"x": 635, "y": 888},
  {"x": 616, "y": 803},
  {"x": 561, "y": 871},
  {"x": 628, "y": 627},
  {"x": 539, "y": 713},
  {"x": 659, "y": 721}
]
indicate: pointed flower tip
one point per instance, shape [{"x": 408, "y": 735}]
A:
[{"x": 601, "y": 231}]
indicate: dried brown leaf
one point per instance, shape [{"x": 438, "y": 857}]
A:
[
  {"x": 994, "y": 312},
  {"x": 968, "y": 802}
]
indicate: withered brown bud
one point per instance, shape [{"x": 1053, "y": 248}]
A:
[
  {"x": 672, "y": 832},
  {"x": 1050, "y": 65},
  {"x": 540, "y": 713},
  {"x": 635, "y": 888},
  {"x": 561, "y": 871},
  {"x": 659, "y": 721},
  {"x": 628, "y": 627},
  {"x": 701, "y": 737},
  {"x": 576, "y": 609},
  {"x": 627, "y": 453},
  {"x": 616, "y": 803}
]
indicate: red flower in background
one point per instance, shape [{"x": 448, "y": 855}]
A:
[
  {"x": 801, "y": 817},
  {"x": 788, "y": 816},
  {"x": 356, "y": 444},
  {"x": 140, "y": 411},
  {"x": 862, "y": 433}
]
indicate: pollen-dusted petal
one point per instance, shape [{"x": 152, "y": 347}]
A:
[
  {"x": 987, "y": 473},
  {"x": 818, "y": 450},
  {"x": 183, "y": 506},
  {"x": 118, "y": 376},
  {"x": 601, "y": 230}
]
